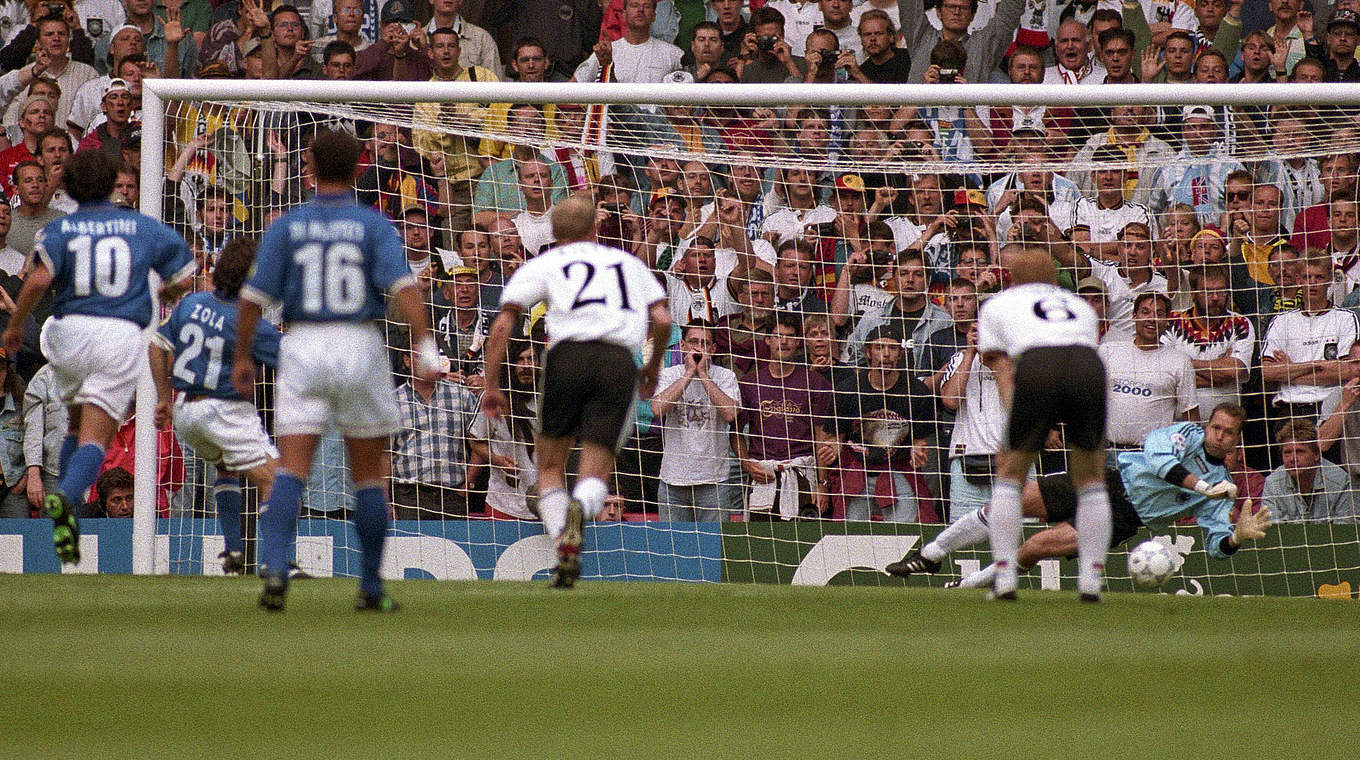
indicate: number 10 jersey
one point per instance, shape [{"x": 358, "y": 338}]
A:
[{"x": 593, "y": 292}]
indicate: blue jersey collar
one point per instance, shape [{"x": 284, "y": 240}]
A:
[{"x": 103, "y": 205}]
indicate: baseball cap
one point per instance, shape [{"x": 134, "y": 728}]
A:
[
  {"x": 968, "y": 197},
  {"x": 1089, "y": 283},
  {"x": 216, "y": 69},
  {"x": 125, "y": 27},
  {"x": 397, "y": 10},
  {"x": 1344, "y": 17},
  {"x": 884, "y": 331},
  {"x": 1197, "y": 112},
  {"x": 661, "y": 194},
  {"x": 850, "y": 183},
  {"x": 114, "y": 85},
  {"x": 463, "y": 271}
]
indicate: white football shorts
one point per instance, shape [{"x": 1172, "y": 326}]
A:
[
  {"x": 225, "y": 432},
  {"x": 335, "y": 372},
  {"x": 96, "y": 360}
]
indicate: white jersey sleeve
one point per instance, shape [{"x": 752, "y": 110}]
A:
[{"x": 1032, "y": 315}]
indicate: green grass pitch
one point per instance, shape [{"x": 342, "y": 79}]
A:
[{"x": 116, "y": 666}]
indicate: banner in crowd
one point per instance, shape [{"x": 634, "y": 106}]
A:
[{"x": 1294, "y": 560}]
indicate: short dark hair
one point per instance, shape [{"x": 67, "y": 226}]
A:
[
  {"x": 447, "y": 31},
  {"x": 1106, "y": 15},
  {"x": 911, "y": 254},
  {"x": 1110, "y": 35},
  {"x": 1160, "y": 296},
  {"x": 524, "y": 42},
  {"x": 337, "y": 47},
  {"x": 14, "y": 173},
  {"x": 90, "y": 175},
  {"x": 335, "y": 155},
  {"x": 699, "y": 324},
  {"x": 114, "y": 477},
  {"x": 766, "y": 15},
  {"x": 233, "y": 264},
  {"x": 709, "y": 25},
  {"x": 784, "y": 318},
  {"x": 1181, "y": 34}
]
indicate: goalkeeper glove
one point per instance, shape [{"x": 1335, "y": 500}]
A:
[
  {"x": 1250, "y": 525},
  {"x": 1223, "y": 489}
]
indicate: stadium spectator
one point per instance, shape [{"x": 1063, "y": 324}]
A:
[
  {"x": 1258, "y": 52},
  {"x": 415, "y": 237},
  {"x": 1075, "y": 62},
  {"x": 695, "y": 404},
  {"x": 1151, "y": 385},
  {"x": 1098, "y": 223},
  {"x": 214, "y": 219},
  {"x": 13, "y": 502},
  {"x": 392, "y": 182},
  {"x": 766, "y": 57},
  {"x": 1297, "y": 176},
  {"x": 1336, "y": 173},
  {"x": 706, "y": 52},
  {"x": 1306, "y": 487},
  {"x": 44, "y": 428},
  {"x": 1176, "y": 62},
  {"x": 475, "y": 45},
  {"x": 739, "y": 339},
  {"x": 984, "y": 46},
  {"x": 1130, "y": 276},
  {"x": 1263, "y": 232},
  {"x": 1198, "y": 175},
  {"x": 474, "y": 250},
  {"x": 54, "y": 38},
  {"x": 127, "y": 42},
  {"x": 167, "y": 42},
  {"x": 117, "y": 108},
  {"x": 799, "y": 17},
  {"x": 1129, "y": 133},
  {"x": 1337, "y": 49},
  {"x": 883, "y": 61},
  {"x": 795, "y": 276},
  {"x": 35, "y": 119},
  {"x": 1092, "y": 290},
  {"x": 731, "y": 27},
  {"x": 1288, "y": 36},
  {"x": 637, "y": 56},
  {"x": 506, "y": 443},
  {"x": 398, "y": 54},
  {"x": 54, "y": 148},
  {"x": 32, "y": 210},
  {"x": 461, "y": 327},
  {"x": 969, "y": 389},
  {"x": 429, "y": 453},
  {"x": 860, "y": 283},
  {"x": 1116, "y": 53},
  {"x": 347, "y": 17},
  {"x": 227, "y": 40},
  {"x": 783, "y": 403},
  {"x": 530, "y": 62},
  {"x": 1220, "y": 343},
  {"x": 1031, "y": 188},
  {"x": 795, "y": 191},
  {"x": 695, "y": 292},
  {"x": 497, "y": 189},
  {"x": 291, "y": 48},
  {"x": 337, "y": 62},
  {"x": 883, "y": 418},
  {"x": 910, "y": 312},
  {"x": 1303, "y": 353},
  {"x": 534, "y": 222},
  {"x": 113, "y": 491}
]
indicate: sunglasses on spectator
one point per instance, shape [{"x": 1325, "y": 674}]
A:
[{"x": 1238, "y": 195}]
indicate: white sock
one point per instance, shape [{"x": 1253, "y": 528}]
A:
[
  {"x": 968, "y": 530},
  {"x": 979, "y": 578},
  {"x": 1005, "y": 515},
  {"x": 552, "y": 507},
  {"x": 1094, "y": 527},
  {"x": 591, "y": 492}
]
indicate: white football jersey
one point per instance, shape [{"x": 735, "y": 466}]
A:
[
  {"x": 1035, "y": 314},
  {"x": 593, "y": 292}
]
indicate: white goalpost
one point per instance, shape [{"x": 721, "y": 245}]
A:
[{"x": 828, "y": 187}]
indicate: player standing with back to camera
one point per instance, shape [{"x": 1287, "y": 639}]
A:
[
  {"x": 330, "y": 263},
  {"x": 99, "y": 259},
  {"x": 1045, "y": 339},
  {"x": 603, "y": 304}
]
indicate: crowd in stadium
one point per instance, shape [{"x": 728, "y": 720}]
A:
[{"x": 824, "y": 359}]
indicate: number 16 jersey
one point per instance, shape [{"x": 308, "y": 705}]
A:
[
  {"x": 1035, "y": 314},
  {"x": 593, "y": 292}
]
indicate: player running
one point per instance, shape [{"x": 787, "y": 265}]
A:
[
  {"x": 330, "y": 263},
  {"x": 1041, "y": 342},
  {"x": 99, "y": 260},
  {"x": 220, "y": 424},
  {"x": 603, "y": 304},
  {"x": 1178, "y": 472}
]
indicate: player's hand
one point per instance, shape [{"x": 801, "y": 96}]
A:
[
  {"x": 165, "y": 413},
  {"x": 1250, "y": 525},
  {"x": 1223, "y": 489},
  {"x": 243, "y": 378},
  {"x": 12, "y": 339},
  {"x": 494, "y": 403}
]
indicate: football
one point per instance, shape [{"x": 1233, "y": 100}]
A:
[{"x": 1151, "y": 563}]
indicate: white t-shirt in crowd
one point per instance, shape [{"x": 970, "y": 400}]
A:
[
  {"x": 1120, "y": 295},
  {"x": 693, "y": 435},
  {"x": 1309, "y": 338},
  {"x": 1148, "y": 389},
  {"x": 535, "y": 230}
]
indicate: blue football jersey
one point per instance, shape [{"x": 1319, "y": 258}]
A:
[
  {"x": 101, "y": 256},
  {"x": 1158, "y": 501},
  {"x": 329, "y": 260},
  {"x": 201, "y": 334}
]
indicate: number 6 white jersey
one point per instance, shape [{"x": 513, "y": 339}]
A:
[
  {"x": 593, "y": 292},
  {"x": 1035, "y": 314}
]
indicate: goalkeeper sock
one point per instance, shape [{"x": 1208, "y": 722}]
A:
[
  {"x": 1094, "y": 527},
  {"x": 591, "y": 492},
  {"x": 80, "y": 472},
  {"x": 1005, "y": 516},
  {"x": 552, "y": 507},
  {"x": 968, "y": 530},
  {"x": 68, "y": 447},
  {"x": 227, "y": 494},
  {"x": 278, "y": 523},
  {"x": 370, "y": 522},
  {"x": 979, "y": 578}
]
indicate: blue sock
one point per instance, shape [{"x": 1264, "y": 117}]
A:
[
  {"x": 370, "y": 522},
  {"x": 278, "y": 523},
  {"x": 79, "y": 473},
  {"x": 227, "y": 493},
  {"x": 68, "y": 447}
]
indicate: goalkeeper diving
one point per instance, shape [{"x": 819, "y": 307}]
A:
[{"x": 1178, "y": 472}]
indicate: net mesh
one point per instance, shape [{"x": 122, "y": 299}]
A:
[{"x": 833, "y": 434}]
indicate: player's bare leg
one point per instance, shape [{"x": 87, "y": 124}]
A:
[
  {"x": 1094, "y": 523},
  {"x": 92, "y": 428},
  {"x": 1004, "y": 512},
  {"x": 970, "y": 530},
  {"x": 279, "y": 514},
  {"x": 369, "y": 468}
]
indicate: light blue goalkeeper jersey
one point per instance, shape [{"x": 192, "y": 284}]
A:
[{"x": 1159, "y": 502}]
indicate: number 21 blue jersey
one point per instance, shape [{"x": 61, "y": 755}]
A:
[
  {"x": 328, "y": 261},
  {"x": 201, "y": 334},
  {"x": 101, "y": 256}
]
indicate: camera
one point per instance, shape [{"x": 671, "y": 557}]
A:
[
  {"x": 949, "y": 75},
  {"x": 55, "y": 10},
  {"x": 765, "y": 42},
  {"x": 611, "y": 229}
]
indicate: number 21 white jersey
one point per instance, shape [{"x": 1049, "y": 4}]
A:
[
  {"x": 1035, "y": 314},
  {"x": 593, "y": 292}
]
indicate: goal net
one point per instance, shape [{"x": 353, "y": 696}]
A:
[{"x": 824, "y": 250}]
